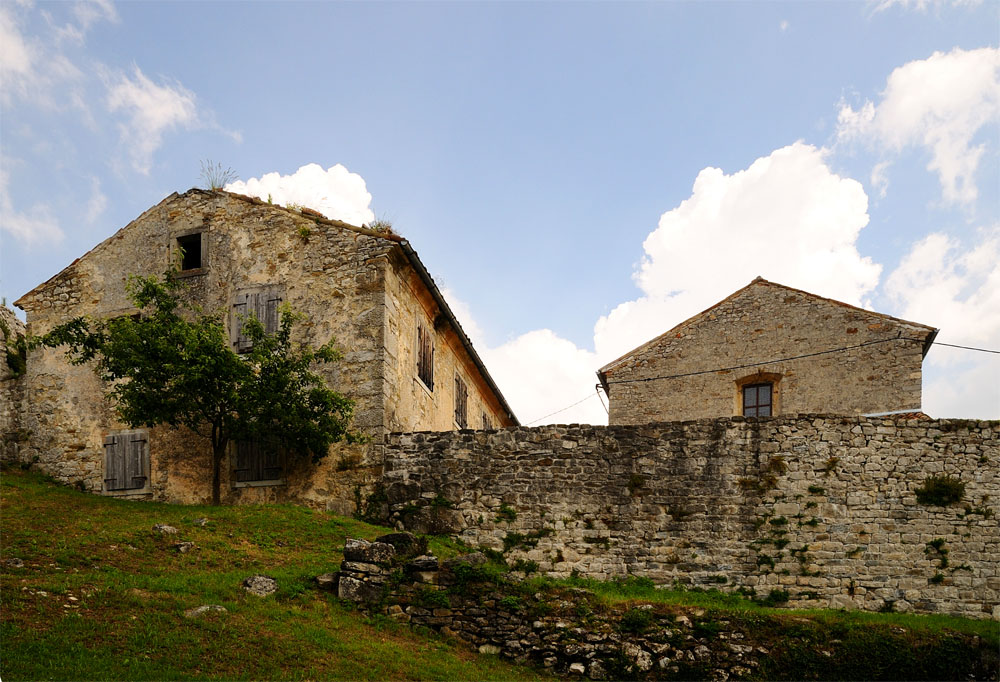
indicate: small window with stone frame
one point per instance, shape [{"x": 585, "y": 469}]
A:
[
  {"x": 191, "y": 246},
  {"x": 758, "y": 400}
]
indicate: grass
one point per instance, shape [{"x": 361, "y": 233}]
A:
[{"x": 115, "y": 595}]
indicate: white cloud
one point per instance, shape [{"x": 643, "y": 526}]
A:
[
  {"x": 540, "y": 373},
  {"x": 942, "y": 282},
  {"x": 334, "y": 192},
  {"x": 97, "y": 202},
  {"x": 919, "y": 5},
  {"x": 31, "y": 70},
  {"x": 35, "y": 226},
  {"x": 787, "y": 218},
  {"x": 783, "y": 26},
  {"x": 880, "y": 179},
  {"x": 150, "y": 110},
  {"x": 939, "y": 103}
]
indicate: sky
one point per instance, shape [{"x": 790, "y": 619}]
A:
[{"x": 577, "y": 177}]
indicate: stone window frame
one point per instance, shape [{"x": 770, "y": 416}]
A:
[
  {"x": 424, "y": 353},
  {"x": 772, "y": 378},
  {"x": 175, "y": 244},
  {"x": 128, "y": 437},
  {"x": 264, "y": 295},
  {"x": 461, "y": 402},
  {"x": 234, "y": 458}
]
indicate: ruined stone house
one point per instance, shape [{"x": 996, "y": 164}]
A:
[
  {"x": 407, "y": 362},
  {"x": 766, "y": 350}
]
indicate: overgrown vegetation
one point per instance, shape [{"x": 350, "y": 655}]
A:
[
  {"x": 104, "y": 597},
  {"x": 940, "y": 491},
  {"x": 15, "y": 350},
  {"x": 216, "y": 177}
]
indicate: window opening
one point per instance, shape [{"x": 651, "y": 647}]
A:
[
  {"x": 261, "y": 304},
  {"x": 425, "y": 356},
  {"x": 757, "y": 400},
  {"x": 257, "y": 460},
  {"x": 126, "y": 461},
  {"x": 190, "y": 246},
  {"x": 461, "y": 403},
  {"x": 487, "y": 422}
]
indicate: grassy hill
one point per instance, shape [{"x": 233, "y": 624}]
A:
[{"x": 102, "y": 596}]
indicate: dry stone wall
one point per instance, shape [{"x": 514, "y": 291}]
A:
[
  {"x": 11, "y": 386},
  {"x": 823, "y": 507}
]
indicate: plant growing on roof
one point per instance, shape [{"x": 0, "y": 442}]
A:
[
  {"x": 215, "y": 176},
  {"x": 164, "y": 367}
]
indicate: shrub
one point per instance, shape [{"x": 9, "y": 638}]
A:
[
  {"x": 506, "y": 513},
  {"x": 775, "y": 597},
  {"x": 432, "y": 599},
  {"x": 510, "y": 603},
  {"x": 940, "y": 491},
  {"x": 816, "y": 490},
  {"x": 636, "y": 620}
]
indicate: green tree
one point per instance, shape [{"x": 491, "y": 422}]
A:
[{"x": 172, "y": 365}]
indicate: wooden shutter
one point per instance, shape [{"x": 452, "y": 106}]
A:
[
  {"x": 256, "y": 461},
  {"x": 461, "y": 402},
  {"x": 270, "y": 318},
  {"x": 425, "y": 356},
  {"x": 114, "y": 463},
  {"x": 244, "y": 460},
  {"x": 135, "y": 460},
  {"x": 271, "y": 463},
  {"x": 240, "y": 310},
  {"x": 487, "y": 422}
]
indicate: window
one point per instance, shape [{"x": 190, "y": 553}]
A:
[
  {"x": 190, "y": 248},
  {"x": 262, "y": 304},
  {"x": 425, "y": 356},
  {"x": 126, "y": 461},
  {"x": 487, "y": 422},
  {"x": 461, "y": 403},
  {"x": 757, "y": 400},
  {"x": 257, "y": 462}
]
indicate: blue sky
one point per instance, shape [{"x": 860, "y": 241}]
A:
[{"x": 578, "y": 176}]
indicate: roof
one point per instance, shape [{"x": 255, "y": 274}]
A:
[
  {"x": 411, "y": 257},
  {"x": 760, "y": 281}
]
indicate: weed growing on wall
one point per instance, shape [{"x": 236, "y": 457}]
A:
[{"x": 940, "y": 491}]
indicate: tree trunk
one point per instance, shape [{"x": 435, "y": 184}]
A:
[{"x": 218, "y": 454}]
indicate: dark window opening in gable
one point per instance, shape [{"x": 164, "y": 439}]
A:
[
  {"x": 425, "y": 356},
  {"x": 461, "y": 403},
  {"x": 263, "y": 305},
  {"x": 757, "y": 400},
  {"x": 257, "y": 461},
  {"x": 126, "y": 461},
  {"x": 190, "y": 246}
]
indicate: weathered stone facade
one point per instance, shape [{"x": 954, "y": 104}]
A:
[
  {"x": 11, "y": 387},
  {"x": 822, "y": 506},
  {"x": 758, "y": 335},
  {"x": 365, "y": 289}
]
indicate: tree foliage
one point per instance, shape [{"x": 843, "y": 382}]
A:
[{"x": 172, "y": 364}]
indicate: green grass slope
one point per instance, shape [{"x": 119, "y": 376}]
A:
[{"x": 101, "y": 596}]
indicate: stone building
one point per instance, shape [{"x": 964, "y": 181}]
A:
[
  {"x": 767, "y": 350},
  {"x": 406, "y": 361}
]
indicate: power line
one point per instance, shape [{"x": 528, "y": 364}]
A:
[
  {"x": 587, "y": 397},
  {"x": 981, "y": 350}
]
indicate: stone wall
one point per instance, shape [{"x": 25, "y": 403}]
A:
[
  {"x": 11, "y": 387},
  {"x": 763, "y": 322},
  {"x": 824, "y": 507},
  {"x": 574, "y": 634}
]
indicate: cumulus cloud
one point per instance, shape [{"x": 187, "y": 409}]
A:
[
  {"x": 941, "y": 104},
  {"x": 787, "y": 218},
  {"x": 35, "y": 226},
  {"x": 945, "y": 283},
  {"x": 334, "y": 192},
  {"x": 150, "y": 111}
]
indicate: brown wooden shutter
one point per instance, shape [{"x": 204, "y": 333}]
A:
[
  {"x": 114, "y": 463},
  {"x": 270, "y": 320},
  {"x": 461, "y": 403},
  {"x": 244, "y": 457},
  {"x": 240, "y": 341},
  {"x": 135, "y": 464},
  {"x": 271, "y": 463}
]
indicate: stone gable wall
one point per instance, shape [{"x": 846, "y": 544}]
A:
[
  {"x": 768, "y": 322},
  {"x": 824, "y": 507}
]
